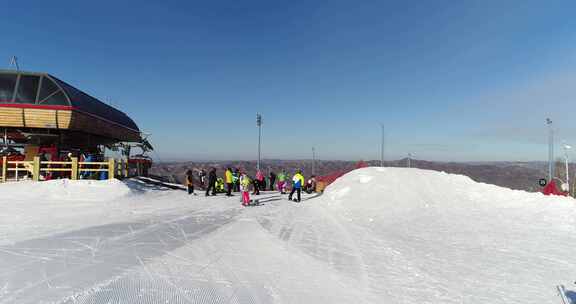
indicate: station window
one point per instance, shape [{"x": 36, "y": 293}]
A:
[
  {"x": 56, "y": 99},
  {"x": 7, "y": 85},
  {"x": 50, "y": 94},
  {"x": 27, "y": 89}
]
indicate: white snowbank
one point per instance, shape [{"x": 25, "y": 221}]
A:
[
  {"x": 64, "y": 189},
  {"x": 32, "y": 209}
]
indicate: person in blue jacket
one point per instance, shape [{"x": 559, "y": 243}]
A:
[{"x": 297, "y": 184}]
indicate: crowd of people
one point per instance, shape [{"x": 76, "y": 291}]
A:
[{"x": 236, "y": 180}]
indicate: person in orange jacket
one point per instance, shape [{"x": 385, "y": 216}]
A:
[{"x": 189, "y": 182}]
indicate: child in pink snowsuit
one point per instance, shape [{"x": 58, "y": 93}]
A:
[{"x": 245, "y": 188}]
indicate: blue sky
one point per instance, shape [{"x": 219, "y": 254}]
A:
[{"x": 451, "y": 80}]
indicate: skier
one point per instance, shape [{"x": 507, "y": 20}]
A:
[
  {"x": 282, "y": 182},
  {"x": 245, "y": 188},
  {"x": 211, "y": 182},
  {"x": 272, "y": 180},
  {"x": 202, "y": 176},
  {"x": 236, "y": 180},
  {"x": 229, "y": 179},
  {"x": 311, "y": 185},
  {"x": 297, "y": 183},
  {"x": 190, "y": 182},
  {"x": 220, "y": 185},
  {"x": 256, "y": 190}
]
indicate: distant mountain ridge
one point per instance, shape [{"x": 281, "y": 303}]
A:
[{"x": 514, "y": 175}]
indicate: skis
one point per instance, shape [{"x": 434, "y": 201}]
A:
[
  {"x": 562, "y": 293},
  {"x": 253, "y": 203}
]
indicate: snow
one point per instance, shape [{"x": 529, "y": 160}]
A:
[{"x": 377, "y": 235}]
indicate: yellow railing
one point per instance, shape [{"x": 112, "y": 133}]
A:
[{"x": 36, "y": 167}]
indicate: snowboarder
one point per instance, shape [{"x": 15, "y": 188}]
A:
[
  {"x": 297, "y": 183},
  {"x": 272, "y": 180},
  {"x": 211, "y": 182},
  {"x": 229, "y": 179},
  {"x": 245, "y": 188},
  {"x": 190, "y": 182}
]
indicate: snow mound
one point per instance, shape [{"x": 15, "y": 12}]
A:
[
  {"x": 445, "y": 238},
  {"x": 406, "y": 193}
]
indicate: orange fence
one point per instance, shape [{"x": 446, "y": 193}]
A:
[{"x": 325, "y": 180}]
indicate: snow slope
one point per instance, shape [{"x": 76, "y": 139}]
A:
[{"x": 377, "y": 235}]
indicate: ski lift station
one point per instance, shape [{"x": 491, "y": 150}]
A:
[{"x": 51, "y": 129}]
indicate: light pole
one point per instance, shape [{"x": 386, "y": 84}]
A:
[
  {"x": 550, "y": 150},
  {"x": 382, "y": 147},
  {"x": 566, "y": 160},
  {"x": 408, "y": 161},
  {"x": 259, "y": 124},
  {"x": 313, "y": 161}
]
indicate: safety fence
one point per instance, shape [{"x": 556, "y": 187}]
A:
[
  {"x": 323, "y": 181},
  {"x": 37, "y": 169}
]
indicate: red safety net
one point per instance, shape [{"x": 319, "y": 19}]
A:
[
  {"x": 551, "y": 189},
  {"x": 330, "y": 178}
]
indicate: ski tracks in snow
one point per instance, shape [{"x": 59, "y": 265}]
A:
[
  {"x": 48, "y": 269},
  {"x": 318, "y": 233}
]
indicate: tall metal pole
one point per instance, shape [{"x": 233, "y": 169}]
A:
[
  {"x": 259, "y": 124},
  {"x": 5, "y": 138},
  {"x": 313, "y": 161},
  {"x": 566, "y": 148},
  {"x": 382, "y": 147},
  {"x": 550, "y": 149}
]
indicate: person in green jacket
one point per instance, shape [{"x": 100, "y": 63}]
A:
[{"x": 281, "y": 182}]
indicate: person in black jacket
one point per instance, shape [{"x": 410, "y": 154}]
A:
[
  {"x": 256, "y": 186},
  {"x": 211, "y": 182},
  {"x": 272, "y": 180},
  {"x": 237, "y": 175}
]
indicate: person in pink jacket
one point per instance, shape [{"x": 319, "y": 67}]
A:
[{"x": 259, "y": 181}]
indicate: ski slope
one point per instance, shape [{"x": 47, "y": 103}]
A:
[{"x": 377, "y": 235}]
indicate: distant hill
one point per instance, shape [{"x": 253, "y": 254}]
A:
[{"x": 514, "y": 175}]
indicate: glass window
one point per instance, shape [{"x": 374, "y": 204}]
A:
[
  {"x": 58, "y": 99},
  {"x": 27, "y": 88},
  {"x": 48, "y": 88},
  {"x": 7, "y": 85}
]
